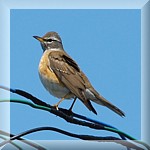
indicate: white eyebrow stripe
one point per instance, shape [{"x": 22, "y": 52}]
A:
[{"x": 55, "y": 49}]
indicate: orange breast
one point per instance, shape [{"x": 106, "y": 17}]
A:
[
  {"x": 45, "y": 70},
  {"x": 50, "y": 80}
]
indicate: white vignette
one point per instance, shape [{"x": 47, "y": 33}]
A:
[{"x": 7, "y": 5}]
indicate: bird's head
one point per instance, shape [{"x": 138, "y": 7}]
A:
[{"x": 50, "y": 40}]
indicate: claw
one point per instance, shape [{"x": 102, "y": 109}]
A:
[{"x": 55, "y": 106}]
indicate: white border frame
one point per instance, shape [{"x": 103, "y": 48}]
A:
[{"x": 143, "y": 5}]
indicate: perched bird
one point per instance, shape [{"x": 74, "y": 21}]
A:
[{"x": 63, "y": 78}]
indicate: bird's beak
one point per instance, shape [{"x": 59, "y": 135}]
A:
[{"x": 39, "y": 38}]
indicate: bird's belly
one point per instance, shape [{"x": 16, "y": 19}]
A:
[{"x": 53, "y": 85}]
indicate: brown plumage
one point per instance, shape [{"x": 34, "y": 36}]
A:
[{"x": 70, "y": 81}]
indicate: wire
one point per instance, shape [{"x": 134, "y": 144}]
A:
[
  {"x": 32, "y": 144},
  {"x": 38, "y": 104},
  {"x": 91, "y": 120},
  {"x": 83, "y": 137},
  {"x": 14, "y": 144},
  {"x": 69, "y": 119}
]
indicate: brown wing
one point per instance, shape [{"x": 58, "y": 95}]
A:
[{"x": 70, "y": 75}]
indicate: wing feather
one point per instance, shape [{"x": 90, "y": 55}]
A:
[{"x": 70, "y": 75}]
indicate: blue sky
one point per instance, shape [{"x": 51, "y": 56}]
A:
[{"x": 105, "y": 44}]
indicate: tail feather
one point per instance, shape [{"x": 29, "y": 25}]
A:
[
  {"x": 102, "y": 101},
  {"x": 90, "y": 107}
]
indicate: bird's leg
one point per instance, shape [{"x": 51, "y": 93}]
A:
[
  {"x": 56, "y": 105},
  {"x": 70, "y": 109}
]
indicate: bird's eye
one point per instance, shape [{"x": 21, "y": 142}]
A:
[{"x": 49, "y": 40}]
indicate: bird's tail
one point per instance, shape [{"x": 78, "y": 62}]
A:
[{"x": 102, "y": 101}]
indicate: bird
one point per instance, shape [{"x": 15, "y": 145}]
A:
[{"x": 63, "y": 78}]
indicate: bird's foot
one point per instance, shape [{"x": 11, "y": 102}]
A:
[
  {"x": 55, "y": 106},
  {"x": 70, "y": 110}
]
